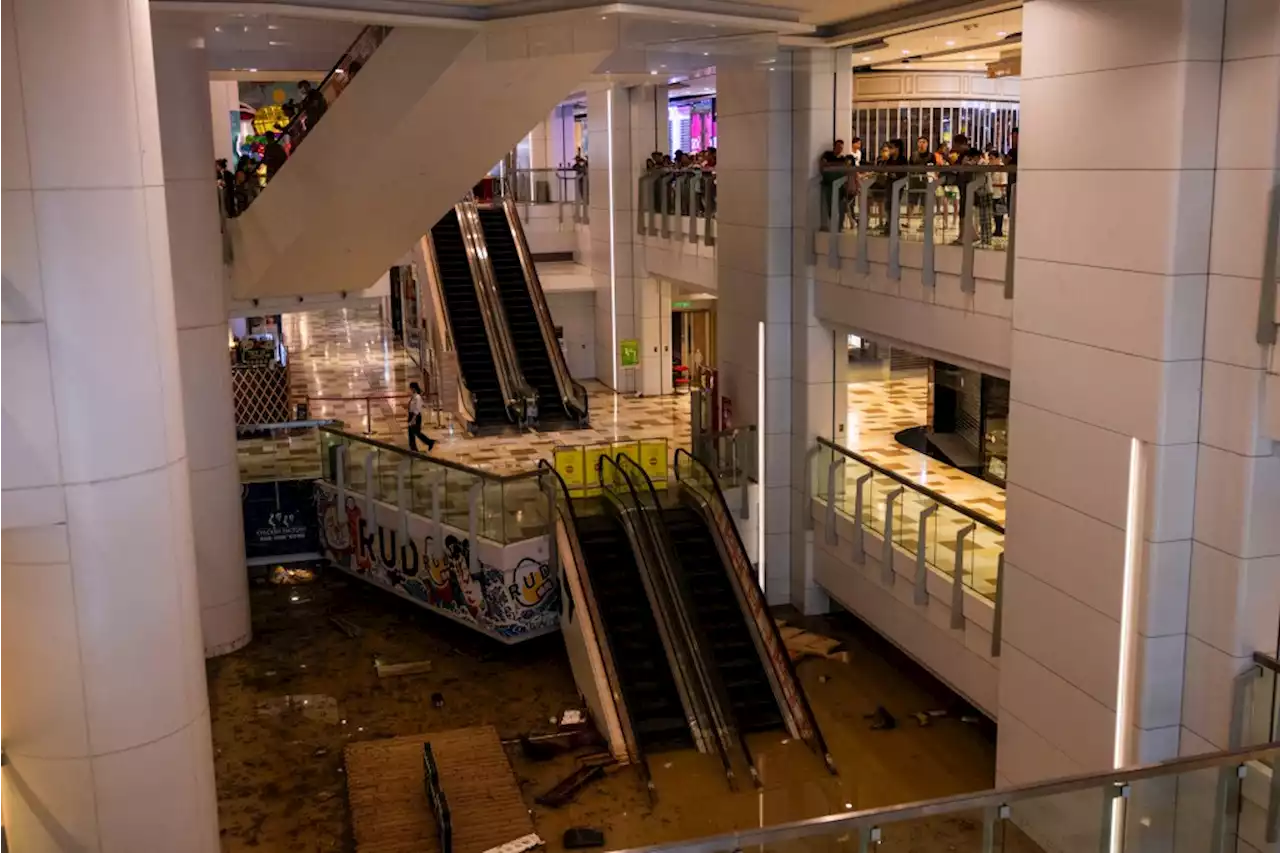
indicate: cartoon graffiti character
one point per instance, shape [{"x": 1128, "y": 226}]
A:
[
  {"x": 334, "y": 528},
  {"x": 472, "y": 593},
  {"x": 362, "y": 561},
  {"x": 532, "y": 583}
]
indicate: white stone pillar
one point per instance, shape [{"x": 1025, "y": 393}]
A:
[
  {"x": 754, "y": 269},
  {"x": 628, "y": 302},
  {"x": 1234, "y": 604},
  {"x": 201, "y": 296},
  {"x": 106, "y": 720},
  {"x": 1109, "y": 319}
]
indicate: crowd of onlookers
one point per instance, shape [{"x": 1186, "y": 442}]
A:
[
  {"x": 950, "y": 187},
  {"x": 261, "y": 159},
  {"x": 704, "y": 160}
]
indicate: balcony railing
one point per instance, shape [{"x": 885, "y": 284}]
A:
[
  {"x": 566, "y": 188},
  {"x": 677, "y": 204},
  {"x": 958, "y": 543},
  {"x": 1200, "y": 803},
  {"x": 972, "y": 207}
]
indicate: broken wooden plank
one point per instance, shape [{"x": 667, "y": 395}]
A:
[{"x": 391, "y": 670}]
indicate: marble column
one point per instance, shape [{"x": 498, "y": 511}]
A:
[
  {"x": 1134, "y": 448},
  {"x": 106, "y": 720},
  {"x": 201, "y": 297}
]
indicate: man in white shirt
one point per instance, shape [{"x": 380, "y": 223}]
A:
[{"x": 415, "y": 420}]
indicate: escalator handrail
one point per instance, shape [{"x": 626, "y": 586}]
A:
[
  {"x": 569, "y": 390},
  {"x": 675, "y": 639},
  {"x": 564, "y": 508},
  {"x": 466, "y": 399},
  {"x": 728, "y": 734},
  {"x": 510, "y": 381},
  {"x": 732, "y": 539}
]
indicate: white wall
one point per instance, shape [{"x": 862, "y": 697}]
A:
[
  {"x": 934, "y": 86},
  {"x": 224, "y": 98},
  {"x": 576, "y": 312}
]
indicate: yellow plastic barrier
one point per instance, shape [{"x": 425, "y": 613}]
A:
[
  {"x": 572, "y": 468},
  {"x": 653, "y": 459},
  {"x": 579, "y": 465},
  {"x": 591, "y": 459}
]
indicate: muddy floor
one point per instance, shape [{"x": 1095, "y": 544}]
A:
[{"x": 284, "y": 707}]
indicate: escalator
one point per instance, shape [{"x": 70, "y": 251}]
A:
[
  {"x": 466, "y": 321},
  {"x": 533, "y": 347},
  {"x": 722, "y": 622},
  {"x": 644, "y": 674}
]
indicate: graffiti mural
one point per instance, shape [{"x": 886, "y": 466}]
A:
[{"x": 510, "y": 604}]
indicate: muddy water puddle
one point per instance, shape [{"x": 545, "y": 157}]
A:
[{"x": 284, "y": 707}]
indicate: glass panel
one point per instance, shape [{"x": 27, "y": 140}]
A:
[
  {"x": 982, "y": 563},
  {"x": 357, "y": 476},
  {"x": 1183, "y": 813},
  {"x": 1071, "y": 821},
  {"x": 959, "y": 831},
  {"x": 492, "y": 525},
  {"x": 457, "y": 486},
  {"x": 386, "y": 463},
  {"x": 524, "y": 510}
]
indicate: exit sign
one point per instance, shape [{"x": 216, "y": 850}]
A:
[{"x": 681, "y": 304}]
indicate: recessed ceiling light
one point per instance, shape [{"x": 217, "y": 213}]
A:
[
  {"x": 662, "y": 66},
  {"x": 653, "y": 72},
  {"x": 866, "y": 59},
  {"x": 1002, "y": 34},
  {"x": 706, "y": 53},
  {"x": 273, "y": 26},
  {"x": 970, "y": 56},
  {"x": 951, "y": 42},
  {"x": 217, "y": 29},
  {"x": 277, "y": 43},
  {"x": 905, "y": 52}
]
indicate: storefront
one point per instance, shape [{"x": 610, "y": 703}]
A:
[
  {"x": 691, "y": 124},
  {"x": 259, "y": 370}
]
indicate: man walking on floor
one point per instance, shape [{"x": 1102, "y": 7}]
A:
[{"x": 415, "y": 420}]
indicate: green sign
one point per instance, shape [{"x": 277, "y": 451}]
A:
[
  {"x": 629, "y": 351},
  {"x": 681, "y": 304}
]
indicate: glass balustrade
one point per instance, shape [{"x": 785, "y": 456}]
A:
[
  {"x": 565, "y": 187},
  {"x": 917, "y": 519},
  {"x": 1201, "y": 803},
  {"x": 678, "y": 204},
  {"x": 503, "y": 509}
]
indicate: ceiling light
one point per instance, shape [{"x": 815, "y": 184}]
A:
[
  {"x": 653, "y": 72},
  {"x": 277, "y": 43},
  {"x": 246, "y": 29},
  {"x": 273, "y": 26},
  {"x": 970, "y": 56},
  {"x": 866, "y": 59},
  {"x": 905, "y": 52},
  {"x": 705, "y": 53},
  {"x": 951, "y": 42},
  {"x": 254, "y": 70},
  {"x": 1002, "y": 34},
  {"x": 217, "y": 29}
]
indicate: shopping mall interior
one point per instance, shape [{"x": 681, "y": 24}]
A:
[{"x": 614, "y": 427}]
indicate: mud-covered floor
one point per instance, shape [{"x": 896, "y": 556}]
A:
[{"x": 285, "y": 706}]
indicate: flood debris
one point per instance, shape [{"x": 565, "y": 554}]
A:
[
  {"x": 926, "y": 718},
  {"x": 580, "y": 837},
  {"x": 394, "y": 670},
  {"x": 437, "y": 700},
  {"x": 346, "y": 626},
  {"x": 803, "y": 644},
  {"x": 881, "y": 719},
  {"x": 518, "y": 845},
  {"x": 567, "y": 788},
  {"x": 281, "y": 575},
  {"x": 311, "y": 706}
]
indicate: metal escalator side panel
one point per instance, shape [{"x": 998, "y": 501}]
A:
[
  {"x": 697, "y": 483},
  {"x": 442, "y": 341},
  {"x": 622, "y": 500},
  {"x": 572, "y": 395},
  {"x": 515, "y": 390},
  {"x": 581, "y": 616}
]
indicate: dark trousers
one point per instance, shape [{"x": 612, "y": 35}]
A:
[{"x": 415, "y": 433}]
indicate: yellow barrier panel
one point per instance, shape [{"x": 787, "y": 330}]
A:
[
  {"x": 653, "y": 459},
  {"x": 591, "y": 461},
  {"x": 572, "y": 469}
]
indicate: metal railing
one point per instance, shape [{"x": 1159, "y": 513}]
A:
[
  {"x": 1198, "y": 803},
  {"x": 677, "y": 204},
  {"x": 567, "y": 188},
  {"x": 971, "y": 207},
  {"x": 333, "y": 84},
  {"x": 731, "y": 454},
  {"x": 392, "y": 411},
  {"x": 501, "y": 508},
  {"x": 962, "y": 545}
]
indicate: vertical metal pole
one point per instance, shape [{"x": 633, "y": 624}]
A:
[
  {"x": 837, "y": 463},
  {"x": 1011, "y": 223},
  {"x": 886, "y": 547},
  {"x": 370, "y": 486},
  {"x": 402, "y": 498},
  {"x": 967, "y": 284},
  {"x": 696, "y": 185},
  {"x": 646, "y": 204},
  {"x": 957, "y": 579},
  {"x": 864, "y": 228},
  {"x": 1109, "y": 797},
  {"x": 921, "y": 595},
  {"x": 1267, "y": 299},
  {"x": 664, "y": 205},
  {"x": 340, "y": 477},
  {"x": 859, "y": 548},
  {"x": 927, "y": 271},
  {"x": 368, "y": 417},
  {"x": 709, "y": 212},
  {"x": 895, "y": 237},
  {"x": 553, "y": 544},
  {"x": 473, "y": 525},
  {"x": 997, "y": 621},
  {"x": 836, "y": 223},
  {"x": 437, "y": 540}
]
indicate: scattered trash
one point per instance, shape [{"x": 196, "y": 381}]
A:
[
  {"x": 602, "y": 759},
  {"x": 925, "y": 718},
  {"x": 392, "y": 670},
  {"x": 823, "y": 679},
  {"x": 971, "y": 719},
  {"x": 578, "y": 837},
  {"x": 312, "y": 706},
  {"x": 437, "y": 700},
  {"x": 542, "y": 750},
  {"x": 281, "y": 575},
  {"x": 567, "y": 788},
  {"x": 881, "y": 719},
  {"x": 346, "y": 626},
  {"x": 545, "y": 747},
  {"x": 802, "y": 644},
  {"x": 320, "y": 753},
  {"x": 519, "y": 845},
  {"x": 572, "y": 717},
  {"x": 666, "y": 766}
]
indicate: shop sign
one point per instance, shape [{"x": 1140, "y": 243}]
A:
[{"x": 279, "y": 518}]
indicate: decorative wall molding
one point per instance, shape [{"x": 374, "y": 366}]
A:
[{"x": 943, "y": 86}]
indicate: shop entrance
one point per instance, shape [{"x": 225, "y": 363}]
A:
[{"x": 693, "y": 343}]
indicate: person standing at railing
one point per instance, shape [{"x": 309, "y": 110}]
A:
[
  {"x": 959, "y": 148},
  {"x": 1000, "y": 189},
  {"x": 831, "y": 166},
  {"x": 415, "y": 420}
]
